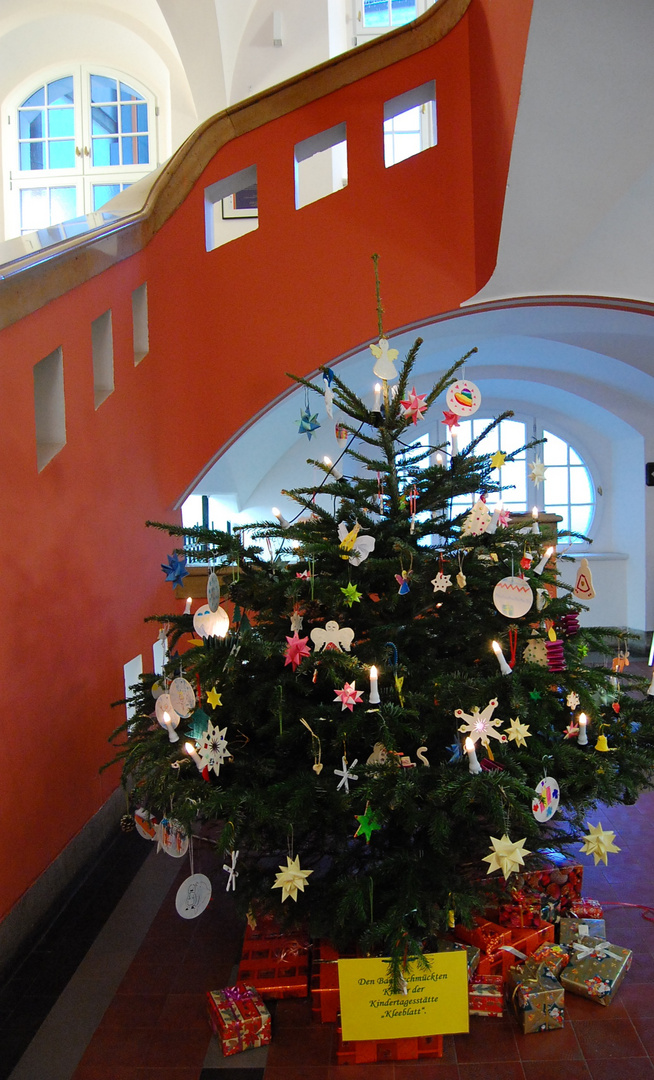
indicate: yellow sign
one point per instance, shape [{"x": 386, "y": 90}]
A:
[{"x": 436, "y": 1001}]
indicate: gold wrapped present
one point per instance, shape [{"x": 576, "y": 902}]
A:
[
  {"x": 578, "y": 929},
  {"x": 472, "y": 952},
  {"x": 537, "y": 997},
  {"x": 596, "y": 969}
]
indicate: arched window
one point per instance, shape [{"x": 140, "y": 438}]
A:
[
  {"x": 567, "y": 488},
  {"x": 78, "y": 140}
]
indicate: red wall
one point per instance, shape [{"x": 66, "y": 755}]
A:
[{"x": 82, "y": 571}]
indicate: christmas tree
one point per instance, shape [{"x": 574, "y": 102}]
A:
[{"x": 369, "y": 725}]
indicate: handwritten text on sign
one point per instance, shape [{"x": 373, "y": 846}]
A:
[{"x": 436, "y": 1002}]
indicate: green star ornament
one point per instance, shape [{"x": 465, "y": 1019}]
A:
[
  {"x": 351, "y": 594},
  {"x": 368, "y": 824}
]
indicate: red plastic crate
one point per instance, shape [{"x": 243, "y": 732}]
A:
[
  {"x": 366, "y": 1051},
  {"x": 325, "y": 996},
  {"x": 278, "y": 967}
]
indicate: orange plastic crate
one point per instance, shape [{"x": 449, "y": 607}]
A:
[{"x": 366, "y": 1051}]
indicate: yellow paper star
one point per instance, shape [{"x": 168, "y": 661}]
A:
[
  {"x": 497, "y": 460},
  {"x": 291, "y": 878},
  {"x": 506, "y": 856},
  {"x": 598, "y": 842},
  {"x": 214, "y": 698},
  {"x": 518, "y": 732},
  {"x": 351, "y": 594}
]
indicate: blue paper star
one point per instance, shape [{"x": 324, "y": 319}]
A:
[
  {"x": 307, "y": 423},
  {"x": 176, "y": 570},
  {"x": 455, "y": 750}
]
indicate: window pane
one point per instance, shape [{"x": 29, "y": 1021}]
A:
[
  {"x": 512, "y": 435},
  {"x": 556, "y": 486},
  {"x": 62, "y": 154},
  {"x": 103, "y": 89},
  {"x": 402, "y": 11},
  {"x": 63, "y": 204},
  {"x": 104, "y": 120},
  {"x": 144, "y": 151},
  {"x": 376, "y": 13},
  {"x": 130, "y": 150},
  {"x": 405, "y": 146},
  {"x": 580, "y": 518},
  {"x": 580, "y": 488},
  {"x": 30, "y": 124},
  {"x": 562, "y": 511},
  {"x": 574, "y": 458},
  {"x": 34, "y": 209},
  {"x": 37, "y": 98},
  {"x": 31, "y": 155},
  {"x": 105, "y": 152},
  {"x": 103, "y": 192},
  {"x": 128, "y": 94},
  {"x": 513, "y": 478},
  {"x": 61, "y": 122},
  {"x": 134, "y": 118},
  {"x": 554, "y": 451},
  {"x": 60, "y": 92}
]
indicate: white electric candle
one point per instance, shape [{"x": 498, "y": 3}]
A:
[
  {"x": 473, "y": 764},
  {"x": 373, "y": 697},
  {"x": 377, "y": 402},
  {"x": 276, "y": 512},
  {"x": 504, "y": 667},
  {"x": 336, "y": 473},
  {"x": 454, "y": 448},
  {"x": 535, "y": 529},
  {"x": 582, "y": 737},
  {"x": 544, "y": 561},
  {"x": 170, "y": 727},
  {"x": 495, "y": 519},
  {"x": 187, "y": 609},
  {"x": 193, "y": 754}
]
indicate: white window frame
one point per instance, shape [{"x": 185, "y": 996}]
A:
[
  {"x": 419, "y": 97},
  {"x": 365, "y": 33},
  {"x": 83, "y": 176}
]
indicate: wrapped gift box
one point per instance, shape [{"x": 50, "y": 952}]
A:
[
  {"x": 277, "y": 966},
  {"x": 577, "y": 929},
  {"x": 586, "y": 908},
  {"x": 239, "y": 1018},
  {"x": 486, "y": 997},
  {"x": 596, "y": 969},
  {"x": 557, "y": 886},
  {"x": 473, "y": 953},
  {"x": 554, "y": 957},
  {"x": 523, "y": 944},
  {"x": 537, "y": 997},
  {"x": 520, "y": 909}
]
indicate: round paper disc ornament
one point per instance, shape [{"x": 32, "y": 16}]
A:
[
  {"x": 182, "y": 696},
  {"x": 463, "y": 397},
  {"x": 145, "y": 824},
  {"x": 208, "y": 623},
  {"x": 164, "y": 705},
  {"x": 213, "y": 592},
  {"x": 546, "y": 802},
  {"x": 157, "y": 690},
  {"x": 174, "y": 839},
  {"x": 193, "y": 896},
  {"x": 513, "y": 597}
]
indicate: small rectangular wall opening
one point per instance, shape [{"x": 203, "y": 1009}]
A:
[
  {"x": 410, "y": 123},
  {"x": 102, "y": 345},
  {"x": 140, "y": 332},
  {"x": 132, "y": 672},
  {"x": 231, "y": 208},
  {"x": 49, "y": 407},
  {"x": 320, "y": 165}
]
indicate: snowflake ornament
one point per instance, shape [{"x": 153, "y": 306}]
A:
[
  {"x": 442, "y": 582},
  {"x": 384, "y": 360},
  {"x": 349, "y": 696},
  {"x": 213, "y": 747},
  {"x": 414, "y": 408},
  {"x": 507, "y": 856},
  {"x": 345, "y": 774},
  {"x": 517, "y": 732},
  {"x": 479, "y": 726},
  {"x": 296, "y": 648},
  {"x": 291, "y": 878},
  {"x": 175, "y": 570},
  {"x": 598, "y": 842},
  {"x": 231, "y": 871},
  {"x": 572, "y": 700}
]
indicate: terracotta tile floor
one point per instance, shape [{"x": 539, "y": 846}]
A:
[{"x": 154, "y": 1026}]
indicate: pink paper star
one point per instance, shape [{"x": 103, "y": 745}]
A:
[
  {"x": 451, "y": 419},
  {"x": 305, "y": 575},
  {"x": 414, "y": 407},
  {"x": 349, "y": 696},
  {"x": 297, "y": 648},
  {"x": 503, "y": 517},
  {"x": 571, "y": 730}
]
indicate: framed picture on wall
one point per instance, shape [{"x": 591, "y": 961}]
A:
[{"x": 241, "y": 204}]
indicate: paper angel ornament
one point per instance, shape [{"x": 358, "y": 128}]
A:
[
  {"x": 355, "y": 547},
  {"x": 384, "y": 360},
  {"x": 332, "y": 637}
]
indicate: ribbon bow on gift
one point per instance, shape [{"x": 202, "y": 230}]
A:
[{"x": 601, "y": 950}]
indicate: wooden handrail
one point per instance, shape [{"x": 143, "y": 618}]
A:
[{"x": 27, "y": 283}]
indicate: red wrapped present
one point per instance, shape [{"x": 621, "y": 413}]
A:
[
  {"x": 486, "y": 996},
  {"x": 523, "y": 944},
  {"x": 239, "y": 1018},
  {"x": 556, "y": 885},
  {"x": 523, "y": 909},
  {"x": 363, "y": 1051},
  {"x": 277, "y": 966},
  {"x": 586, "y": 908}
]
